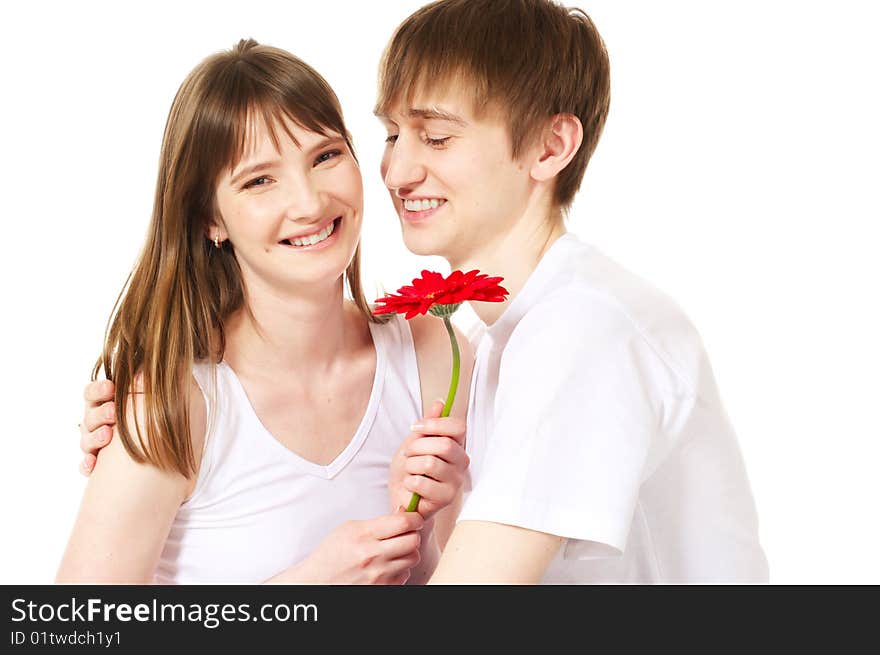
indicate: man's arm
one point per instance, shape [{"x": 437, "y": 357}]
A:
[
  {"x": 444, "y": 520},
  {"x": 479, "y": 552},
  {"x": 429, "y": 553},
  {"x": 574, "y": 413}
]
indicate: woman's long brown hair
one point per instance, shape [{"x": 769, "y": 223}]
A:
[{"x": 172, "y": 309}]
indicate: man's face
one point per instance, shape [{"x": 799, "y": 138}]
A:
[{"x": 451, "y": 176}]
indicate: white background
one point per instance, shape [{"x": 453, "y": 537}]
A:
[{"x": 738, "y": 172}]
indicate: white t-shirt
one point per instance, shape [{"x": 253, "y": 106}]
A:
[
  {"x": 594, "y": 416},
  {"x": 258, "y": 507}
]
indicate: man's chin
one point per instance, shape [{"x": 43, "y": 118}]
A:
[{"x": 423, "y": 245}]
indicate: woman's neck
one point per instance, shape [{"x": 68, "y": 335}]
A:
[{"x": 286, "y": 332}]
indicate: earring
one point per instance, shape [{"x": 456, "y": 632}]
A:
[{"x": 216, "y": 240}]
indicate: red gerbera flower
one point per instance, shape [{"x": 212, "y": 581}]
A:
[{"x": 444, "y": 295}]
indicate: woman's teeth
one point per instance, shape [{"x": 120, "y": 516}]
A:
[
  {"x": 314, "y": 238},
  {"x": 422, "y": 205}
]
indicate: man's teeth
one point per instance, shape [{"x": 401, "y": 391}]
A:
[
  {"x": 315, "y": 238},
  {"x": 421, "y": 205}
]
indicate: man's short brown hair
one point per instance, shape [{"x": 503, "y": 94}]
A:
[{"x": 530, "y": 59}]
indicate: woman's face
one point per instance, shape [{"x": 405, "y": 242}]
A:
[{"x": 292, "y": 213}]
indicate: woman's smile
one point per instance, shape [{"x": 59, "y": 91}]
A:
[{"x": 315, "y": 240}]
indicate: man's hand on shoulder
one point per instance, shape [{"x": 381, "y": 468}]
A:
[{"x": 99, "y": 419}]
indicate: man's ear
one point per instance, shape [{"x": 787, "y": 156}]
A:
[{"x": 560, "y": 142}]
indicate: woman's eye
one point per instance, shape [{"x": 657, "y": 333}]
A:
[
  {"x": 437, "y": 143},
  {"x": 327, "y": 156},
  {"x": 257, "y": 181},
  {"x": 391, "y": 138}
]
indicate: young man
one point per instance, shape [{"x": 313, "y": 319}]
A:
[{"x": 600, "y": 451}]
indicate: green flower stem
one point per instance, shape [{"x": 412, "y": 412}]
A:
[
  {"x": 456, "y": 368},
  {"x": 450, "y": 397}
]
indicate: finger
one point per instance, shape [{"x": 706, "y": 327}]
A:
[
  {"x": 92, "y": 442},
  {"x": 99, "y": 415},
  {"x": 406, "y": 562},
  {"x": 99, "y": 391},
  {"x": 441, "y": 493},
  {"x": 446, "y": 448},
  {"x": 413, "y": 436},
  {"x": 450, "y": 426},
  {"x": 436, "y": 408},
  {"x": 435, "y": 411},
  {"x": 87, "y": 465},
  {"x": 400, "y": 579},
  {"x": 433, "y": 467},
  {"x": 399, "y": 571},
  {"x": 401, "y": 546},
  {"x": 388, "y": 527}
]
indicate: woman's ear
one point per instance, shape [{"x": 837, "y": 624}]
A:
[
  {"x": 559, "y": 143},
  {"x": 216, "y": 231}
]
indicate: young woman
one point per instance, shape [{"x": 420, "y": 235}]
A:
[{"x": 262, "y": 418}]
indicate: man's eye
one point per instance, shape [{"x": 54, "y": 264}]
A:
[
  {"x": 391, "y": 138},
  {"x": 257, "y": 181},
  {"x": 327, "y": 156}
]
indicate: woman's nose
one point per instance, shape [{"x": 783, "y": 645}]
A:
[{"x": 306, "y": 203}]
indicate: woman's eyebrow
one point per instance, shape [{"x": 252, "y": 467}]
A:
[
  {"x": 268, "y": 164},
  {"x": 329, "y": 141},
  {"x": 253, "y": 168}
]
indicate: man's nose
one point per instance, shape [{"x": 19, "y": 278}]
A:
[{"x": 403, "y": 166}]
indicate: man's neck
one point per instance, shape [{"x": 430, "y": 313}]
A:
[{"x": 513, "y": 255}]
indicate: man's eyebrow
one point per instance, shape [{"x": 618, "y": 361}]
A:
[
  {"x": 254, "y": 168},
  {"x": 436, "y": 114},
  {"x": 431, "y": 114}
]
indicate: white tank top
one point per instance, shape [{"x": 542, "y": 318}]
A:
[{"x": 257, "y": 507}]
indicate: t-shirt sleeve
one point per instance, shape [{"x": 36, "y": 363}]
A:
[{"x": 574, "y": 416}]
